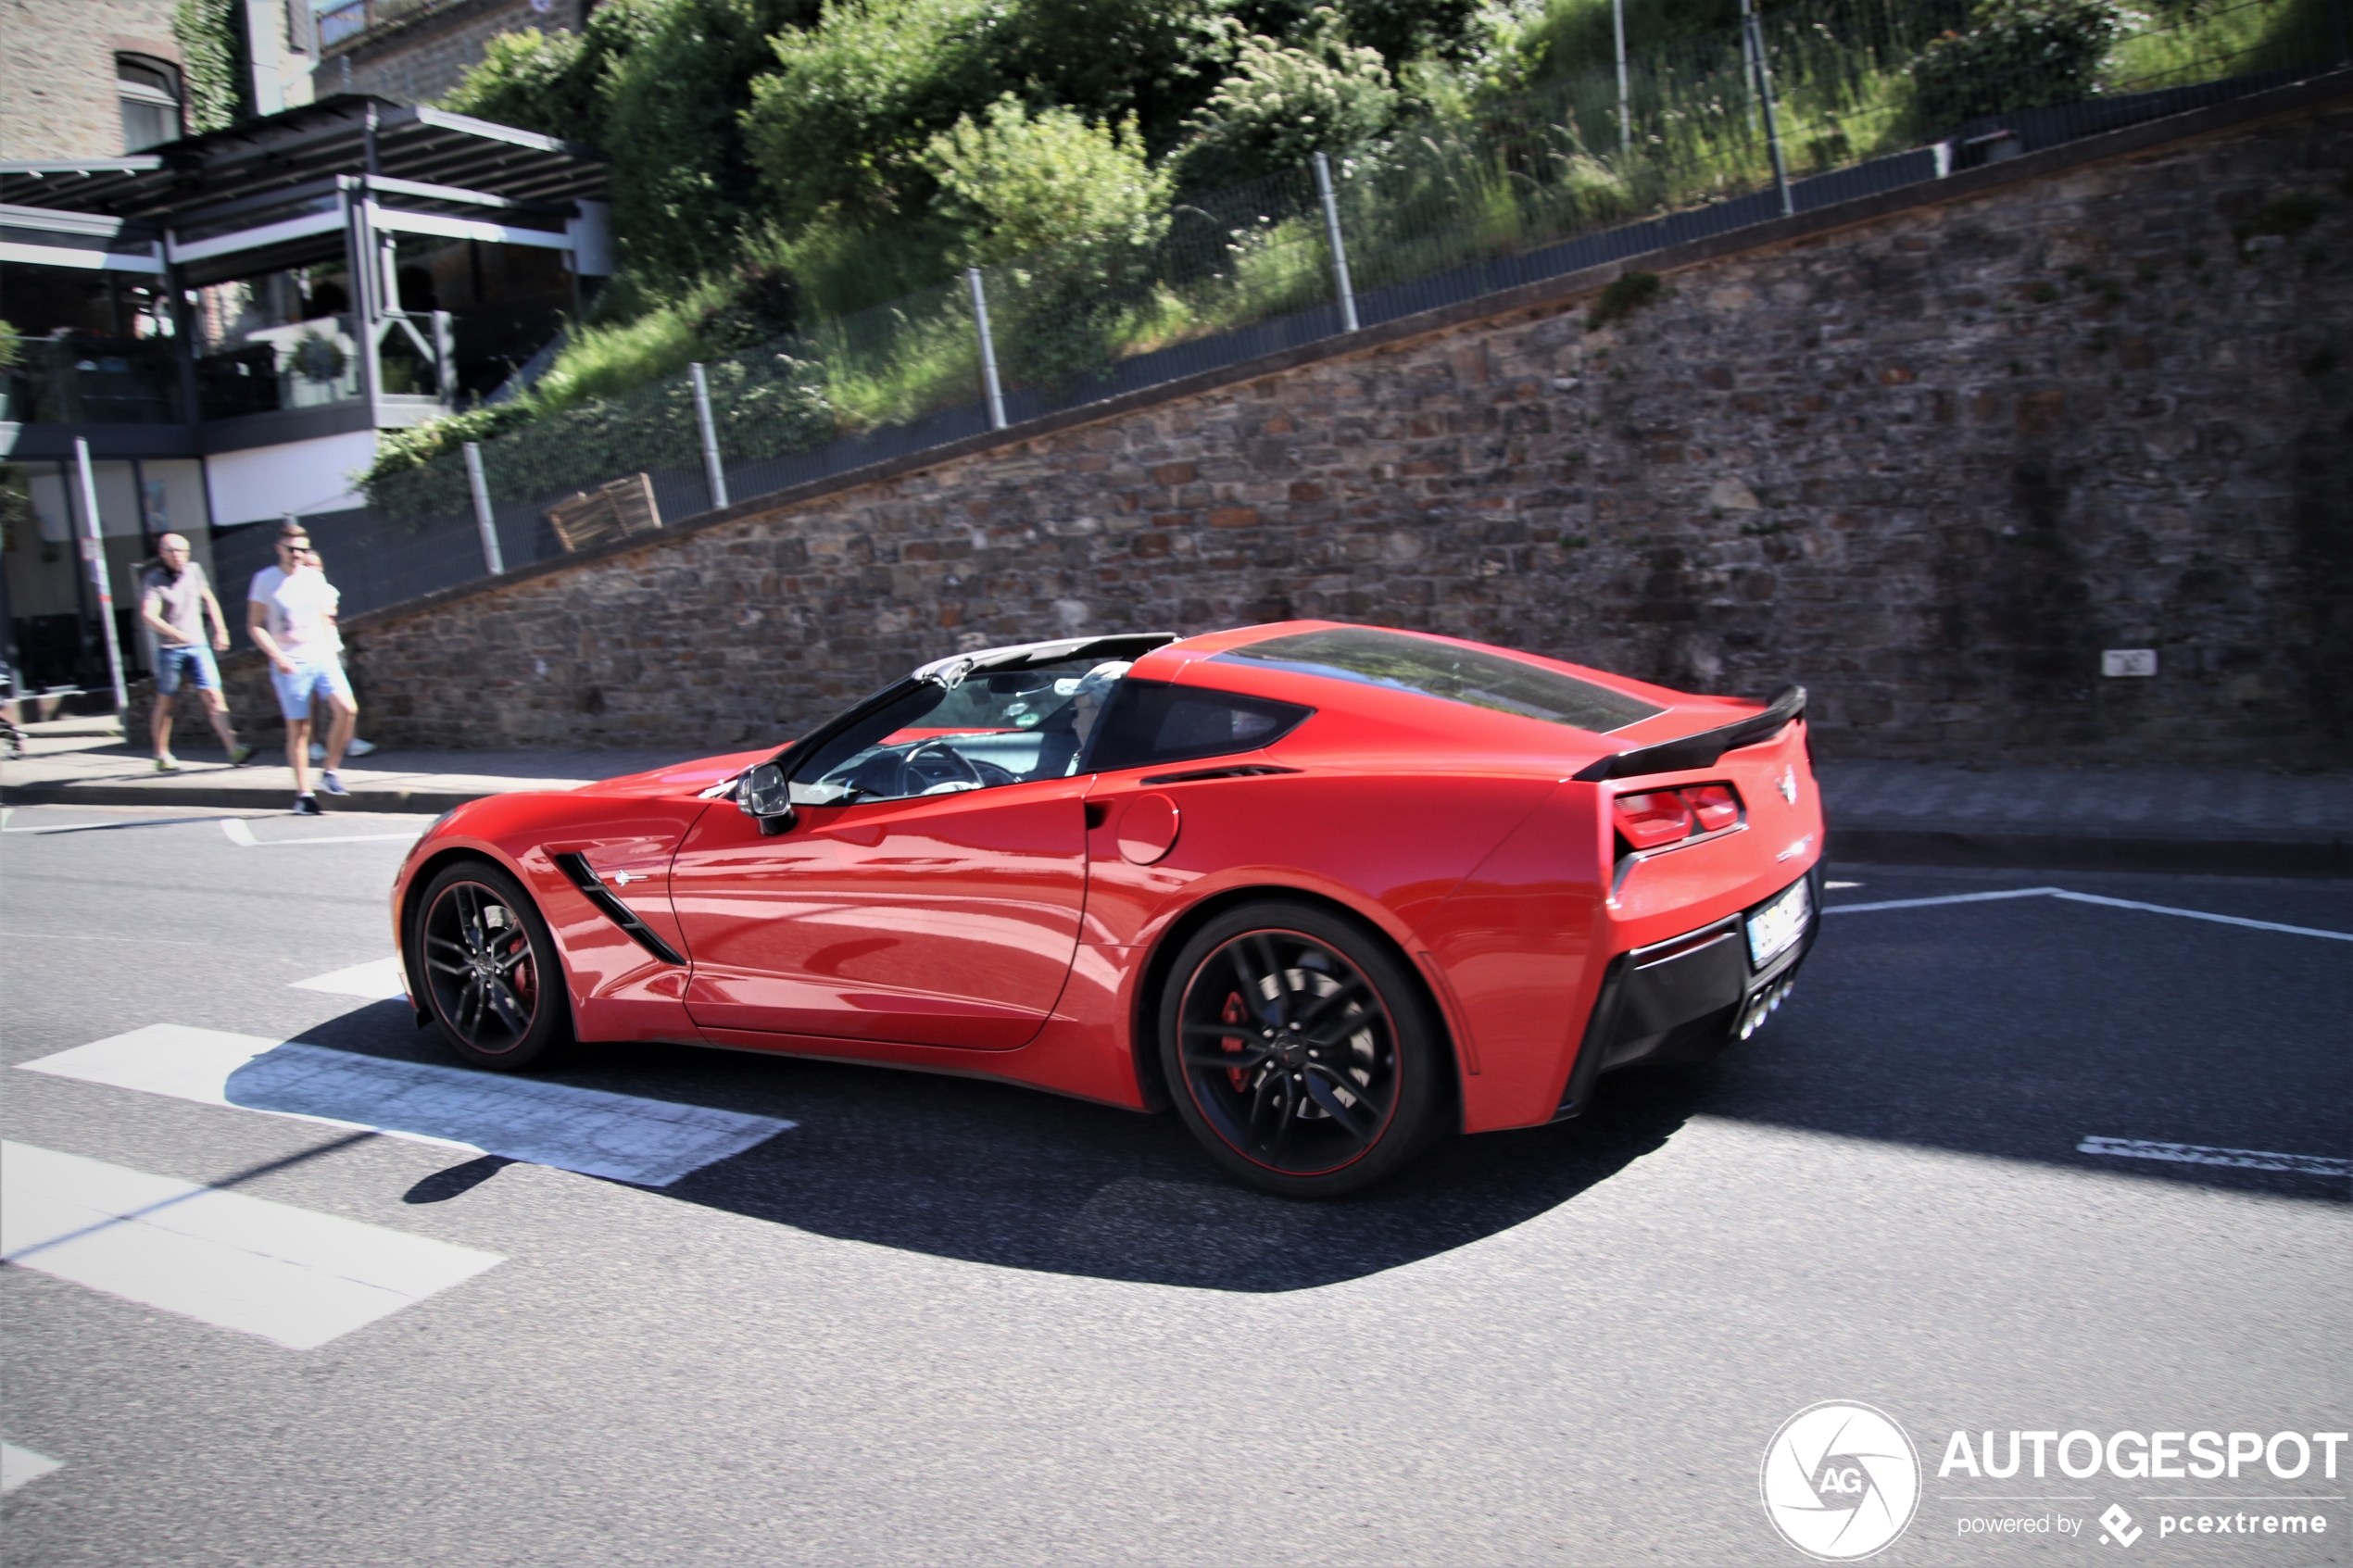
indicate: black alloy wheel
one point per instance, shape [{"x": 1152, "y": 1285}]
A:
[
  {"x": 1299, "y": 1051},
  {"x": 489, "y": 967}
]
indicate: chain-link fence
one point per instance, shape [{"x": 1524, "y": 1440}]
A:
[{"x": 1810, "y": 105}]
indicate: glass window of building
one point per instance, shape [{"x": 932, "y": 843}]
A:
[{"x": 149, "y": 90}]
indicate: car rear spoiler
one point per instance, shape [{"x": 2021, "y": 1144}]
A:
[{"x": 1701, "y": 749}]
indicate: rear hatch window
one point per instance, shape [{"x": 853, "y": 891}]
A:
[{"x": 1403, "y": 662}]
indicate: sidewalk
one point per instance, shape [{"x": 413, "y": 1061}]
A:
[
  {"x": 85, "y": 761},
  {"x": 2246, "y": 821},
  {"x": 2242, "y": 821}
]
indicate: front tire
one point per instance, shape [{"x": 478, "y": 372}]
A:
[
  {"x": 489, "y": 968},
  {"x": 1300, "y": 1052}
]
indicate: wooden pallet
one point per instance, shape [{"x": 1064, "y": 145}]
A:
[{"x": 622, "y": 510}]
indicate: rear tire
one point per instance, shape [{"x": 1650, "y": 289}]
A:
[
  {"x": 488, "y": 968},
  {"x": 1299, "y": 1051}
]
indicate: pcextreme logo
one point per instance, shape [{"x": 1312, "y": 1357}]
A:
[{"x": 1840, "y": 1480}]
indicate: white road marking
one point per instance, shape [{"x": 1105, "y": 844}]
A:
[
  {"x": 241, "y": 834},
  {"x": 341, "y": 838},
  {"x": 622, "y": 1138},
  {"x": 191, "y": 1064},
  {"x": 2201, "y": 914},
  {"x": 377, "y": 978},
  {"x": 1948, "y": 898},
  {"x": 286, "y": 1275},
  {"x": 127, "y": 823},
  {"x": 20, "y": 1465},
  {"x": 2199, "y": 1154},
  {"x": 2088, "y": 898}
]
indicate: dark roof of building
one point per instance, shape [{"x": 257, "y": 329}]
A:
[{"x": 305, "y": 144}]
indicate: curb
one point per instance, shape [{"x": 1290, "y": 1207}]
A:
[
  {"x": 247, "y": 797},
  {"x": 2330, "y": 858}
]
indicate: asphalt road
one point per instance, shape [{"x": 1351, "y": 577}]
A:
[{"x": 941, "y": 1322}]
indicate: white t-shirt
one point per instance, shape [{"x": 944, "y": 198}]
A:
[{"x": 299, "y": 605}]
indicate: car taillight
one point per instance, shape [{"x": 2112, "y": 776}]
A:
[
  {"x": 1649, "y": 821},
  {"x": 1713, "y": 807},
  {"x": 1668, "y": 816}
]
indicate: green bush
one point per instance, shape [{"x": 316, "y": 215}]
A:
[
  {"x": 1077, "y": 207},
  {"x": 1011, "y": 182},
  {"x": 1283, "y": 104},
  {"x": 835, "y": 130},
  {"x": 547, "y": 82},
  {"x": 684, "y": 184},
  {"x": 2016, "y": 54}
]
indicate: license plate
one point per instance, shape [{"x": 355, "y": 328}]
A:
[{"x": 1778, "y": 923}]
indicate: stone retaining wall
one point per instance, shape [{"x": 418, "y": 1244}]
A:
[{"x": 1931, "y": 465}]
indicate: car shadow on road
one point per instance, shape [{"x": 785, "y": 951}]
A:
[{"x": 994, "y": 1174}]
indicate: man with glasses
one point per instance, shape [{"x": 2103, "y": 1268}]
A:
[
  {"x": 290, "y": 615},
  {"x": 176, "y": 599}
]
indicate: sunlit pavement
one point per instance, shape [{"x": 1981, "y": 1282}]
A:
[{"x": 2071, "y": 1158}]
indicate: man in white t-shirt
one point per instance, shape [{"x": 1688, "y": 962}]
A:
[{"x": 290, "y": 612}]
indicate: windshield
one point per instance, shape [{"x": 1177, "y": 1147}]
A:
[
  {"x": 1482, "y": 679},
  {"x": 1003, "y": 727}
]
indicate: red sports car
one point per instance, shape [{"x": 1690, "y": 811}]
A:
[{"x": 1329, "y": 890}]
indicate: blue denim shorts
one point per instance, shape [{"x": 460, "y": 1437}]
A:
[
  {"x": 191, "y": 663},
  {"x": 310, "y": 678}
]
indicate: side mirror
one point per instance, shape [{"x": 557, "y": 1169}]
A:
[{"x": 765, "y": 796}]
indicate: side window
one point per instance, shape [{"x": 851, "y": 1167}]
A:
[
  {"x": 1152, "y": 721},
  {"x": 994, "y": 728}
]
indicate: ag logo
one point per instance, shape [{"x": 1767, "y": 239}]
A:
[{"x": 1840, "y": 1481}]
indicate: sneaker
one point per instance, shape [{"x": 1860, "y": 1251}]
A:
[
  {"x": 166, "y": 764},
  {"x": 331, "y": 785},
  {"x": 239, "y": 756},
  {"x": 307, "y": 806}
]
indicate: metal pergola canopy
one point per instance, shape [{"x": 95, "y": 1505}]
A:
[{"x": 275, "y": 156}]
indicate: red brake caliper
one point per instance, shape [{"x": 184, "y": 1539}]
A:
[
  {"x": 526, "y": 982},
  {"x": 1234, "y": 1012}
]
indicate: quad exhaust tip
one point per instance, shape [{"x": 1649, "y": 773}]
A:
[{"x": 1764, "y": 1005}]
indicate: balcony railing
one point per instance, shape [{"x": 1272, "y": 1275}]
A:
[
  {"x": 299, "y": 365},
  {"x": 356, "y": 18},
  {"x": 92, "y": 380}
]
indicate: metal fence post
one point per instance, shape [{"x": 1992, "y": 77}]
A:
[
  {"x": 1755, "y": 30},
  {"x": 1339, "y": 249},
  {"x": 1625, "y": 99},
  {"x": 97, "y": 551},
  {"x": 987, "y": 350},
  {"x": 712, "y": 471},
  {"x": 485, "y": 522}
]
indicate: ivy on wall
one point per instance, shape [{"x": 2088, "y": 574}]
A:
[{"x": 212, "y": 50}]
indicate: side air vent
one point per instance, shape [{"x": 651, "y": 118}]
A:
[
  {"x": 1239, "y": 770},
  {"x": 583, "y": 876}
]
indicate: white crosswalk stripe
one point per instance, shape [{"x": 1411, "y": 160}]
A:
[
  {"x": 377, "y": 979},
  {"x": 286, "y": 1275},
  {"x": 21, "y": 1465},
  {"x": 623, "y": 1137}
]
